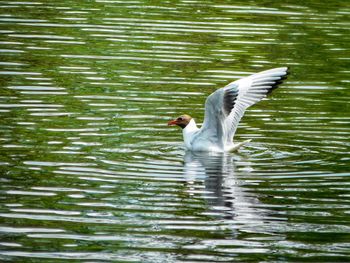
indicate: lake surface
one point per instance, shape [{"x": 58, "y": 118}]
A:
[{"x": 90, "y": 172}]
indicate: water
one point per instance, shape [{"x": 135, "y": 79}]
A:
[{"x": 91, "y": 173}]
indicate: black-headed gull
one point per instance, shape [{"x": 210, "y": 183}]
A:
[{"x": 224, "y": 109}]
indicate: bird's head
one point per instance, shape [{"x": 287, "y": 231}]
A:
[{"x": 181, "y": 121}]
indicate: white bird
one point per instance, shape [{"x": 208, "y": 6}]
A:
[{"x": 224, "y": 108}]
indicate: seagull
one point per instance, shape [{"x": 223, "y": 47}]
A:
[{"x": 224, "y": 108}]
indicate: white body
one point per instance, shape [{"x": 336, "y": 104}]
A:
[
  {"x": 193, "y": 142},
  {"x": 225, "y": 107}
]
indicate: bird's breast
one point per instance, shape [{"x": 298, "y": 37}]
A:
[{"x": 205, "y": 145}]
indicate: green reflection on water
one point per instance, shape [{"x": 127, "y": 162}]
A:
[{"x": 86, "y": 92}]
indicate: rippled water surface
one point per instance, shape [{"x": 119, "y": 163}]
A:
[{"x": 91, "y": 173}]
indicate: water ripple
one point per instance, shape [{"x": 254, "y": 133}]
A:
[{"x": 90, "y": 165}]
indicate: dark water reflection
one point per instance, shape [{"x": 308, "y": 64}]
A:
[
  {"x": 222, "y": 188},
  {"x": 91, "y": 172}
]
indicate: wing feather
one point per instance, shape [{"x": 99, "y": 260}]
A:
[
  {"x": 213, "y": 128},
  {"x": 251, "y": 90}
]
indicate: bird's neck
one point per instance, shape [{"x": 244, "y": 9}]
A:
[
  {"x": 188, "y": 132},
  {"x": 191, "y": 126}
]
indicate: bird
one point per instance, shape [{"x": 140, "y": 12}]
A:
[{"x": 224, "y": 109}]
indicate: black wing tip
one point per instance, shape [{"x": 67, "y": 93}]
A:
[
  {"x": 280, "y": 81},
  {"x": 287, "y": 72}
]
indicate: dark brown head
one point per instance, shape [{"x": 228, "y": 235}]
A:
[{"x": 181, "y": 121}]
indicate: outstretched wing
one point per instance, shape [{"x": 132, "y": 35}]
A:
[
  {"x": 218, "y": 106},
  {"x": 225, "y": 107},
  {"x": 251, "y": 90}
]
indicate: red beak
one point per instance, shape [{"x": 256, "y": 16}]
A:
[{"x": 171, "y": 123}]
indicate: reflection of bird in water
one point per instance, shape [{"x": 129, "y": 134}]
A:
[{"x": 224, "y": 193}]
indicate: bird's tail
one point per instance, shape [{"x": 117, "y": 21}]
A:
[{"x": 235, "y": 147}]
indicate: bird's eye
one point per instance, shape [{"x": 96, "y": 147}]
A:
[{"x": 180, "y": 119}]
